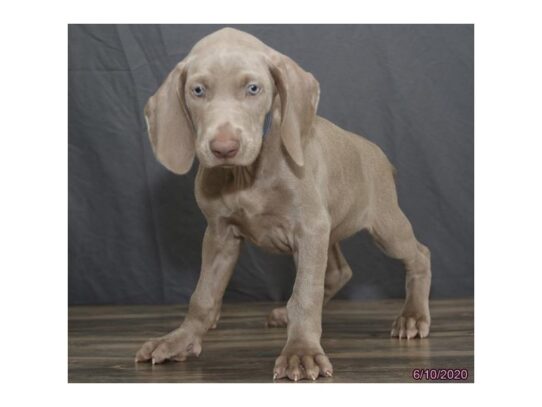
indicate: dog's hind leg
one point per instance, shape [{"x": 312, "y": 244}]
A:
[
  {"x": 338, "y": 273},
  {"x": 393, "y": 233}
]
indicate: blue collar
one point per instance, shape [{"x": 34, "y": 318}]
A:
[{"x": 267, "y": 123}]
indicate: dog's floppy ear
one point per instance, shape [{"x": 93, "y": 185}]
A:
[
  {"x": 168, "y": 124},
  {"x": 299, "y": 94}
]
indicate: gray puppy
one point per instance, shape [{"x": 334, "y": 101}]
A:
[{"x": 273, "y": 172}]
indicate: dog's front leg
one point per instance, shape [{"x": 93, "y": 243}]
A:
[
  {"x": 219, "y": 255},
  {"x": 303, "y": 356}
]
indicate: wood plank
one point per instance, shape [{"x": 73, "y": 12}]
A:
[{"x": 103, "y": 341}]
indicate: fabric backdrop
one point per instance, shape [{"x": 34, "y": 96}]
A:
[{"x": 135, "y": 230}]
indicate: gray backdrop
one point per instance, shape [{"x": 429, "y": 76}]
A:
[{"x": 135, "y": 230}]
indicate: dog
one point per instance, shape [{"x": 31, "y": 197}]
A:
[{"x": 273, "y": 172}]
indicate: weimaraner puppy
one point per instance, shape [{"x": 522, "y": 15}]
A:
[{"x": 273, "y": 172}]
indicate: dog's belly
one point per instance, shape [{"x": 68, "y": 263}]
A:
[
  {"x": 273, "y": 230},
  {"x": 268, "y": 231},
  {"x": 349, "y": 226}
]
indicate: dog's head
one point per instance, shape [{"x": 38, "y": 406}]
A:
[{"x": 217, "y": 103}]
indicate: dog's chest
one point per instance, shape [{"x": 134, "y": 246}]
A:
[{"x": 264, "y": 217}]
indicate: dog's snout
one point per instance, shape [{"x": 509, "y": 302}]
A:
[{"x": 224, "y": 145}]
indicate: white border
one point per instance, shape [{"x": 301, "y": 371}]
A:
[{"x": 34, "y": 199}]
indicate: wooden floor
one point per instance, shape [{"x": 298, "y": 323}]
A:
[{"x": 103, "y": 341}]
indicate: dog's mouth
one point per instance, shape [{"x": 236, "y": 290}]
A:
[
  {"x": 241, "y": 160},
  {"x": 223, "y": 163},
  {"x": 226, "y": 162}
]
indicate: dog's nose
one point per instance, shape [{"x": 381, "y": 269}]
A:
[{"x": 224, "y": 146}]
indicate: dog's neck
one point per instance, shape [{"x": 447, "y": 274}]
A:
[{"x": 241, "y": 177}]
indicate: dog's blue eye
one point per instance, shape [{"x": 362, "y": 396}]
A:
[
  {"x": 198, "y": 91},
  {"x": 253, "y": 89}
]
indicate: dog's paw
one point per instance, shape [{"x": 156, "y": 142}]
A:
[
  {"x": 302, "y": 363},
  {"x": 277, "y": 318},
  {"x": 411, "y": 325},
  {"x": 175, "y": 346}
]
